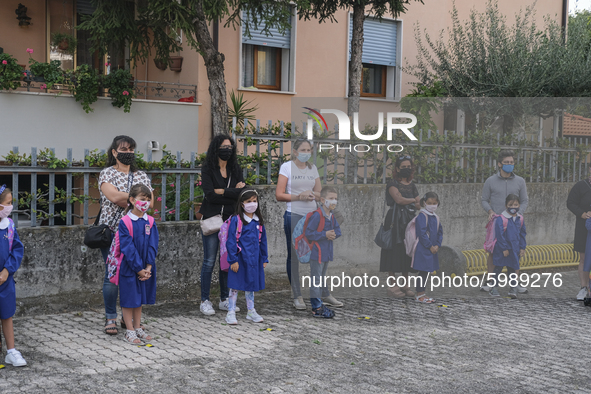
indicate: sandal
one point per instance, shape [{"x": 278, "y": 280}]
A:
[
  {"x": 395, "y": 292},
  {"x": 111, "y": 330},
  {"x": 141, "y": 334},
  {"x": 124, "y": 326},
  {"x": 131, "y": 337},
  {"x": 407, "y": 291},
  {"x": 324, "y": 312},
  {"x": 425, "y": 299}
]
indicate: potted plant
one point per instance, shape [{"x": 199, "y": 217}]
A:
[
  {"x": 176, "y": 63},
  {"x": 86, "y": 86},
  {"x": 118, "y": 82},
  {"x": 10, "y": 72},
  {"x": 66, "y": 43},
  {"x": 160, "y": 64},
  {"x": 50, "y": 73}
]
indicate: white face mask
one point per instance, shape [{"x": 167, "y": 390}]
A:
[
  {"x": 142, "y": 206},
  {"x": 431, "y": 208},
  {"x": 6, "y": 211},
  {"x": 330, "y": 203}
]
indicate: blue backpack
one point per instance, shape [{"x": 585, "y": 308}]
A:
[{"x": 302, "y": 245}]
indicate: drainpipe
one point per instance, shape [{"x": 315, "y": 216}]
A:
[
  {"x": 564, "y": 18},
  {"x": 216, "y": 31}
]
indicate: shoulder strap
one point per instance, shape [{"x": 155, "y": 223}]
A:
[
  {"x": 505, "y": 222},
  {"x": 150, "y": 220},
  {"x": 127, "y": 220},
  {"x": 11, "y": 229},
  {"x": 321, "y": 221}
]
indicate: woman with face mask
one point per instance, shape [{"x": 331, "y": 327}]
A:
[
  {"x": 402, "y": 197},
  {"x": 222, "y": 182},
  {"x": 115, "y": 182},
  {"x": 299, "y": 186}
]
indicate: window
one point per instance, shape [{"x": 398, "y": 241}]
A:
[
  {"x": 373, "y": 80},
  {"x": 380, "y": 77},
  {"x": 262, "y": 67},
  {"x": 267, "y": 61}
]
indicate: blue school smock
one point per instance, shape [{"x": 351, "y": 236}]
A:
[
  {"x": 513, "y": 240},
  {"x": 11, "y": 260},
  {"x": 326, "y": 247},
  {"x": 138, "y": 252},
  {"x": 250, "y": 259},
  {"x": 428, "y": 235}
]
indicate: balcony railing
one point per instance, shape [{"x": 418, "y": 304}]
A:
[{"x": 147, "y": 90}]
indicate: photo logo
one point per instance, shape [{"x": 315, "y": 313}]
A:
[{"x": 344, "y": 124}]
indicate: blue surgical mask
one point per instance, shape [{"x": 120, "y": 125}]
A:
[
  {"x": 508, "y": 168},
  {"x": 304, "y": 157},
  {"x": 512, "y": 211}
]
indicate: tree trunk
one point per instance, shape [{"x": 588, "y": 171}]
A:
[
  {"x": 355, "y": 65},
  {"x": 214, "y": 64},
  {"x": 355, "y": 70}
]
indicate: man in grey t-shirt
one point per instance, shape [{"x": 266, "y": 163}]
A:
[{"x": 496, "y": 189}]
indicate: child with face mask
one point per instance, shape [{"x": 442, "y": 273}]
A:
[
  {"x": 321, "y": 237},
  {"x": 11, "y": 256},
  {"x": 137, "y": 274},
  {"x": 430, "y": 235},
  {"x": 509, "y": 246},
  {"x": 247, "y": 255}
]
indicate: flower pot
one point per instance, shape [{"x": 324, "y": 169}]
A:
[
  {"x": 63, "y": 45},
  {"x": 196, "y": 208},
  {"x": 160, "y": 64},
  {"x": 176, "y": 63}
]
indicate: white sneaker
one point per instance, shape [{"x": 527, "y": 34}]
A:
[
  {"x": 15, "y": 358},
  {"x": 225, "y": 305},
  {"x": 231, "y": 318},
  {"x": 207, "y": 308},
  {"x": 254, "y": 316},
  {"x": 582, "y": 294},
  {"x": 521, "y": 289}
]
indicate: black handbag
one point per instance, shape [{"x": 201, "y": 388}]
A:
[
  {"x": 384, "y": 236},
  {"x": 98, "y": 236}
]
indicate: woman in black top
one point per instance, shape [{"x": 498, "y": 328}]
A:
[
  {"x": 403, "y": 198},
  {"x": 579, "y": 203},
  {"x": 222, "y": 182}
]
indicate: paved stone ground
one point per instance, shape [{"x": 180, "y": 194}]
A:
[{"x": 472, "y": 344}]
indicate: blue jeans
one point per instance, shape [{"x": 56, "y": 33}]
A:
[
  {"x": 211, "y": 247},
  {"x": 293, "y": 270},
  {"x": 110, "y": 291},
  {"x": 318, "y": 283}
]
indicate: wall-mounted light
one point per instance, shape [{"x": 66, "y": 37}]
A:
[{"x": 21, "y": 15}]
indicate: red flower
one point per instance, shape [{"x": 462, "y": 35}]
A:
[
  {"x": 43, "y": 86},
  {"x": 4, "y": 62},
  {"x": 29, "y": 50},
  {"x": 125, "y": 93}
]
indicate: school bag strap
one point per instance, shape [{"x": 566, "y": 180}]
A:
[{"x": 11, "y": 230}]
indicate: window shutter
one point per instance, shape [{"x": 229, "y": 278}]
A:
[
  {"x": 379, "y": 41},
  {"x": 276, "y": 39}
]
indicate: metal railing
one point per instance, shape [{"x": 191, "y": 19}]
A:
[
  {"x": 153, "y": 90},
  {"x": 178, "y": 185},
  {"x": 440, "y": 157}
]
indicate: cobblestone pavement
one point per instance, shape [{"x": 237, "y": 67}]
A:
[{"x": 464, "y": 344}]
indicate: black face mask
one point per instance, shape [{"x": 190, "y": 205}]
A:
[
  {"x": 225, "y": 153},
  {"x": 126, "y": 158},
  {"x": 405, "y": 172}
]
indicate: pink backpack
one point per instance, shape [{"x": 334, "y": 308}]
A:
[
  {"x": 223, "y": 237},
  {"x": 10, "y": 234},
  {"x": 491, "y": 238},
  {"x": 115, "y": 255},
  {"x": 410, "y": 236}
]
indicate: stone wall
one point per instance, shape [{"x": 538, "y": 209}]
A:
[{"x": 58, "y": 271}]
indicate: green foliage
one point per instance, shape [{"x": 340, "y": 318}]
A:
[
  {"x": 326, "y": 10},
  {"x": 485, "y": 56},
  {"x": 240, "y": 109},
  {"x": 10, "y": 73},
  {"x": 86, "y": 86},
  {"x": 65, "y": 43},
  {"x": 120, "y": 88},
  {"x": 423, "y": 103},
  {"x": 51, "y": 72}
]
